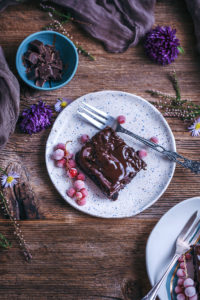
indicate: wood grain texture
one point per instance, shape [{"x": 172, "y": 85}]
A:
[
  {"x": 76, "y": 256},
  {"x": 22, "y": 202}
]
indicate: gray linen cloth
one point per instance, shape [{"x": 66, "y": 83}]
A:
[{"x": 9, "y": 100}]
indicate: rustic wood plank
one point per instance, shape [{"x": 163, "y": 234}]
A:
[
  {"x": 22, "y": 202},
  {"x": 93, "y": 261}
]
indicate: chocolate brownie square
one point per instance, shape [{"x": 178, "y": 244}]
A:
[{"x": 109, "y": 162}]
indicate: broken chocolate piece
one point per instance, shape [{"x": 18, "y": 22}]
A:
[
  {"x": 57, "y": 75},
  {"x": 37, "y": 46},
  {"x": 40, "y": 82},
  {"x": 32, "y": 58},
  {"x": 43, "y": 63}
]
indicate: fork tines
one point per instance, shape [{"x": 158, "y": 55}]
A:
[
  {"x": 95, "y": 110},
  {"x": 93, "y": 115}
]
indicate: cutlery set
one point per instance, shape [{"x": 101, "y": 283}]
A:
[{"x": 191, "y": 230}]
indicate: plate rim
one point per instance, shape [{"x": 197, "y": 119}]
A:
[
  {"x": 182, "y": 203},
  {"x": 173, "y": 146}
]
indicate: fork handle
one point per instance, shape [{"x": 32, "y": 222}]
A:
[
  {"x": 154, "y": 291},
  {"x": 193, "y": 165}
]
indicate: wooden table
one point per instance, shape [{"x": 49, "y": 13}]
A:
[{"x": 76, "y": 256}]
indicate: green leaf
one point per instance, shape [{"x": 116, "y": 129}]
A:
[{"x": 180, "y": 49}]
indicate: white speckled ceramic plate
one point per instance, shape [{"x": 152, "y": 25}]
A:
[
  {"x": 161, "y": 243},
  {"x": 141, "y": 118}
]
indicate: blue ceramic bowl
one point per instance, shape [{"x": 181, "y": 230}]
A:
[{"x": 68, "y": 54}]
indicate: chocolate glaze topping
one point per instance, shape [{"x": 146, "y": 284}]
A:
[{"x": 109, "y": 162}]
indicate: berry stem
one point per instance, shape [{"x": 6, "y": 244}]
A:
[{"x": 185, "y": 266}]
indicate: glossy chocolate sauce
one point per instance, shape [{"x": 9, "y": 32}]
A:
[{"x": 109, "y": 162}]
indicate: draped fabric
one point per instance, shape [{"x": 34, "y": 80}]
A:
[{"x": 9, "y": 100}]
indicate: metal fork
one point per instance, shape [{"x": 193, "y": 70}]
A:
[
  {"x": 184, "y": 241},
  {"x": 100, "y": 119}
]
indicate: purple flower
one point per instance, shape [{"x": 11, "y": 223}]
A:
[
  {"x": 161, "y": 45},
  {"x": 36, "y": 118}
]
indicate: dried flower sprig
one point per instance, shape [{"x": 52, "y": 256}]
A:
[
  {"x": 58, "y": 26},
  {"x": 5, "y": 207},
  {"x": 17, "y": 230},
  {"x": 4, "y": 242},
  {"x": 65, "y": 17},
  {"x": 174, "y": 106}
]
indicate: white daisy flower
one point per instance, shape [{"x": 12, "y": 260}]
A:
[
  {"x": 60, "y": 104},
  {"x": 9, "y": 180},
  {"x": 195, "y": 128}
]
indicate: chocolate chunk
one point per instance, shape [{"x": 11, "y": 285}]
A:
[
  {"x": 58, "y": 65},
  {"x": 45, "y": 72},
  {"x": 32, "y": 58},
  {"x": 37, "y": 46},
  {"x": 33, "y": 73},
  {"x": 43, "y": 63},
  {"x": 57, "y": 75},
  {"x": 40, "y": 82}
]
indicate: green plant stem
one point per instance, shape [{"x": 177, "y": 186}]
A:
[
  {"x": 3, "y": 171},
  {"x": 174, "y": 106},
  {"x": 176, "y": 85},
  {"x": 4, "y": 242},
  {"x": 160, "y": 95}
]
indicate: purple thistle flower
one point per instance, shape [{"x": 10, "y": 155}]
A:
[
  {"x": 36, "y": 118},
  {"x": 161, "y": 45}
]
